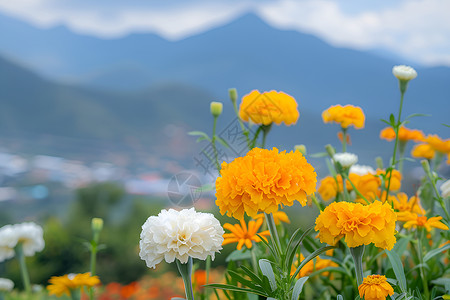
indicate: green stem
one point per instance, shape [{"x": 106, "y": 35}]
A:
[
  {"x": 1, "y": 296},
  {"x": 266, "y": 130},
  {"x": 316, "y": 202},
  {"x": 437, "y": 160},
  {"x": 397, "y": 128},
  {"x": 422, "y": 272},
  {"x": 244, "y": 130},
  {"x": 254, "y": 259},
  {"x": 93, "y": 266},
  {"x": 186, "y": 273},
  {"x": 208, "y": 268},
  {"x": 344, "y": 139},
  {"x": 356, "y": 190},
  {"x": 23, "y": 267},
  {"x": 213, "y": 142},
  {"x": 430, "y": 176},
  {"x": 273, "y": 232},
  {"x": 75, "y": 294},
  {"x": 357, "y": 254},
  {"x": 402, "y": 148}
]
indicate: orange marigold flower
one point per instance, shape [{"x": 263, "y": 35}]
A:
[
  {"x": 345, "y": 116},
  {"x": 438, "y": 144},
  {"x": 312, "y": 266},
  {"x": 368, "y": 185},
  {"x": 269, "y": 107},
  {"x": 328, "y": 188},
  {"x": 359, "y": 224},
  {"x": 60, "y": 285},
  {"x": 402, "y": 204},
  {"x": 414, "y": 220},
  {"x": 375, "y": 287},
  {"x": 242, "y": 235},
  {"x": 404, "y": 134},
  {"x": 423, "y": 151},
  {"x": 278, "y": 217},
  {"x": 396, "y": 179},
  {"x": 263, "y": 180}
]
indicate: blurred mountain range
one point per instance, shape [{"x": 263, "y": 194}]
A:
[{"x": 142, "y": 87}]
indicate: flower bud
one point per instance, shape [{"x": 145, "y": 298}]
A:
[
  {"x": 426, "y": 166},
  {"x": 97, "y": 224},
  {"x": 404, "y": 72},
  {"x": 301, "y": 148},
  {"x": 330, "y": 150},
  {"x": 216, "y": 108},
  {"x": 233, "y": 95}
]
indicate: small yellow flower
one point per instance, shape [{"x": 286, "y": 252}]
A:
[
  {"x": 414, "y": 220},
  {"x": 243, "y": 235},
  {"x": 278, "y": 217},
  {"x": 60, "y": 285},
  {"x": 402, "y": 204},
  {"x": 437, "y": 143},
  {"x": 269, "y": 107},
  {"x": 346, "y": 116},
  {"x": 375, "y": 287}
]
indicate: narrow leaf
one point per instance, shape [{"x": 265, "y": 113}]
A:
[
  {"x": 298, "y": 287},
  {"x": 266, "y": 269},
  {"x": 292, "y": 250},
  {"x": 397, "y": 266},
  {"x": 435, "y": 252},
  {"x": 233, "y": 288},
  {"x": 309, "y": 257}
]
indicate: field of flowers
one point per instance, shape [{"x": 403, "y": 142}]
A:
[{"x": 370, "y": 240}]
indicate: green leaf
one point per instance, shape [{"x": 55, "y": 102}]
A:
[
  {"x": 298, "y": 287},
  {"x": 242, "y": 280},
  {"x": 206, "y": 187},
  {"x": 222, "y": 141},
  {"x": 397, "y": 266},
  {"x": 318, "y": 154},
  {"x": 446, "y": 125},
  {"x": 309, "y": 257},
  {"x": 239, "y": 255},
  {"x": 292, "y": 250},
  {"x": 266, "y": 269},
  {"x": 392, "y": 120},
  {"x": 203, "y": 136},
  {"x": 417, "y": 115},
  {"x": 252, "y": 275},
  {"x": 339, "y": 297},
  {"x": 331, "y": 269},
  {"x": 401, "y": 245},
  {"x": 435, "y": 252},
  {"x": 384, "y": 121},
  {"x": 271, "y": 248},
  {"x": 233, "y": 288}
]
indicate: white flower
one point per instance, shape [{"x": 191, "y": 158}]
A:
[
  {"x": 445, "y": 189},
  {"x": 404, "y": 72},
  {"x": 361, "y": 170},
  {"x": 6, "y": 285},
  {"x": 345, "y": 159},
  {"x": 180, "y": 234},
  {"x": 29, "y": 234}
]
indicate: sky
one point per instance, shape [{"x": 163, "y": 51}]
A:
[{"x": 418, "y": 30}]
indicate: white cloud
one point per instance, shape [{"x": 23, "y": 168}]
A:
[{"x": 416, "y": 29}]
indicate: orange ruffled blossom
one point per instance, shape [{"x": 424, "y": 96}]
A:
[
  {"x": 263, "y": 180},
  {"x": 375, "y": 287},
  {"x": 423, "y": 151},
  {"x": 404, "y": 134},
  {"x": 243, "y": 234},
  {"x": 60, "y": 285},
  {"x": 438, "y": 144},
  {"x": 278, "y": 217},
  {"x": 269, "y": 107},
  {"x": 346, "y": 116},
  {"x": 414, "y": 220},
  {"x": 359, "y": 224},
  {"x": 402, "y": 204}
]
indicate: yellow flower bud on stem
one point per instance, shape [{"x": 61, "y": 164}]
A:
[
  {"x": 301, "y": 148},
  {"x": 216, "y": 108}
]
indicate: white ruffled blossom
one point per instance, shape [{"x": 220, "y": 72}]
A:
[
  {"x": 345, "y": 159},
  {"x": 445, "y": 189},
  {"x": 403, "y": 72},
  {"x": 361, "y": 170},
  {"x": 180, "y": 234},
  {"x": 29, "y": 234},
  {"x": 6, "y": 285}
]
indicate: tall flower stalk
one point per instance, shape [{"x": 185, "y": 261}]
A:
[
  {"x": 186, "y": 273},
  {"x": 23, "y": 267}
]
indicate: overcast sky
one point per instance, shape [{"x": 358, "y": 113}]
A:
[{"x": 416, "y": 29}]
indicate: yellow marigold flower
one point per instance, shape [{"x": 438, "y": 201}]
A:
[
  {"x": 359, "y": 224},
  {"x": 375, "y": 287},
  {"x": 423, "y": 151},
  {"x": 402, "y": 204},
  {"x": 263, "y": 180},
  {"x": 368, "y": 185},
  {"x": 414, "y": 220},
  {"x": 269, "y": 107},
  {"x": 404, "y": 134},
  {"x": 312, "y": 266},
  {"x": 243, "y": 235},
  {"x": 345, "y": 116},
  {"x": 438, "y": 144},
  {"x": 60, "y": 285},
  {"x": 278, "y": 217},
  {"x": 328, "y": 188}
]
